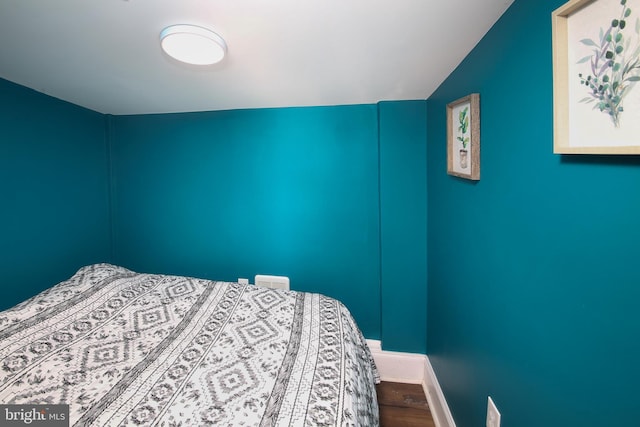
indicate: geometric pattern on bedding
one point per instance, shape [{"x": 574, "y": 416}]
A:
[{"x": 124, "y": 348}]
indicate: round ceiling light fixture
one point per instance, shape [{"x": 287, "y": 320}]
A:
[{"x": 193, "y": 44}]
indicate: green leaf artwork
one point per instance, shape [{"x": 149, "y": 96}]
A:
[
  {"x": 463, "y": 119},
  {"x": 614, "y": 66}
]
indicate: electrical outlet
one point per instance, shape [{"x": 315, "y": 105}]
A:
[
  {"x": 273, "y": 282},
  {"x": 493, "y": 416},
  {"x": 243, "y": 281}
]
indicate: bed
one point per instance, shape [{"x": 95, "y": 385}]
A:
[{"x": 125, "y": 348}]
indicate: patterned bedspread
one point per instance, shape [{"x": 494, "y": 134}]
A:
[{"x": 123, "y": 348}]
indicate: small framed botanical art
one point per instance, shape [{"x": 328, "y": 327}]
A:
[
  {"x": 596, "y": 68},
  {"x": 463, "y": 137}
]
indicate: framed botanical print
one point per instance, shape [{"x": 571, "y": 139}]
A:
[
  {"x": 463, "y": 137},
  {"x": 596, "y": 68}
]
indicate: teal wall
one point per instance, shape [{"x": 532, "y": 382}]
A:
[
  {"x": 403, "y": 224},
  {"x": 231, "y": 194},
  {"x": 54, "y": 191},
  {"x": 533, "y": 274},
  {"x": 289, "y": 191}
]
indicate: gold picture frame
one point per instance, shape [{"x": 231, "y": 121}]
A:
[
  {"x": 596, "y": 64},
  {"x": 463, "y": 137}
]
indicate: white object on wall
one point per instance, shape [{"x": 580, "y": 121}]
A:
[{"x": 273, "y": 282}]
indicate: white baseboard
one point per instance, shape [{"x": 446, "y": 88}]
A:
[
  {"x": 397, "y": 367},
  {"x": 412, "y": 368},
  {"x": 437, "y": 403}
]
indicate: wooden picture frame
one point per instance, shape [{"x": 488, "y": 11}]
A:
[
  {"x": 596, "y": 65},
  {"x": 463, "y": 137}
]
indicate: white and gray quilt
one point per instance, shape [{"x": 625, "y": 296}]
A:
[{"x": 123, "y": 348}]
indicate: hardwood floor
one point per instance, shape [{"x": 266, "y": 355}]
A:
[{"x": 403, "y": 405}]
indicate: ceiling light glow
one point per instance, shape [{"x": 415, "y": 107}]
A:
[{"x": 193, "y": 44}]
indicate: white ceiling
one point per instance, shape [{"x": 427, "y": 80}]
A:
[{"x": 105, "y": 54}]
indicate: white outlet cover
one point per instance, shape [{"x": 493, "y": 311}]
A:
[
  {"x": 273, "y": 282},
  {"x": 243, "y": 281},
  {"x": 493, "y": 416}
]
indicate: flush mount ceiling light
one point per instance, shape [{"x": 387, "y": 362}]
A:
[{"x": 193, "y": 44}]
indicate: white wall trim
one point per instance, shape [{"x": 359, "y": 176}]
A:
[
  {"x": 412, "y": 368},
  {"x": 437, "y": 403},
  {"x": 397, "y": 367}
]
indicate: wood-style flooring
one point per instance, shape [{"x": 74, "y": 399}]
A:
[{"x": 403, "y": 405}]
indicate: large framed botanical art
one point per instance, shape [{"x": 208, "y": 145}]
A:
[
  {"x": 596, "y": 68},
  {"x": 463, "y": 137}
]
